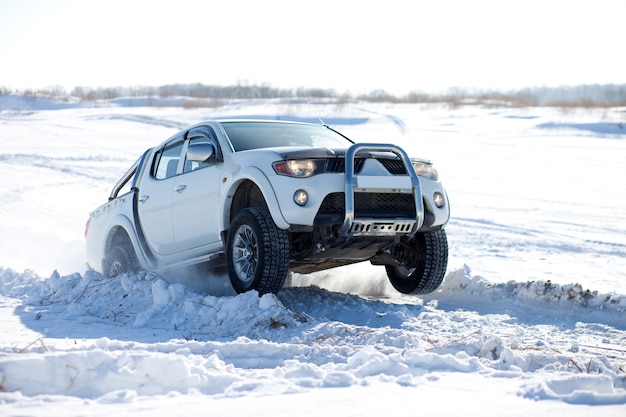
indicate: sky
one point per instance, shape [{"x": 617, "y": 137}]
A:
[{"x": 349, "y": 46}]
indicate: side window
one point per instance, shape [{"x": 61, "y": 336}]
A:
[{"x": 166, "y": 162}]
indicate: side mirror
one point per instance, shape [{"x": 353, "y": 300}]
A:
[{"x": 200, "y": 152}]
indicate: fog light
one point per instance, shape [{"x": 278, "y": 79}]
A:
[
  {"x": 438, "y": 199},
  {"x": 300, "y": 197}
]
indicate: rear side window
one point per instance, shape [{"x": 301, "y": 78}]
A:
[{"x": 166, "y": 161}]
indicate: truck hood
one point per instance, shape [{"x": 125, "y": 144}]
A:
[{"x": 327, "y": 153}]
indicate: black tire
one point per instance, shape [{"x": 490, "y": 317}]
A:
[
  {"x": 121, "y": 260},
  {"x": 425, "y": 272},
  {"x": 257, "y": 252}
]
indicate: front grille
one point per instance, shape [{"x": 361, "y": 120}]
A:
[
  {"x": 339, "y": 165},
  {"x": 374, "y": 205},
  {"x": 393, "y": 166}
]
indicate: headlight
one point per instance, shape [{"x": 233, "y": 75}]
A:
[
  {"x": 426, "y": 170},
  {"x": 301, "y": 168}
]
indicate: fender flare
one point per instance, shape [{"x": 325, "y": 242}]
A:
[
  {"x": 256, "y": 176},
  {"x": 120, "y": 221}
]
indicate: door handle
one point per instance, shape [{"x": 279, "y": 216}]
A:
[
  {"x": 180, "y": 188},
  {"x": 144, "y": 198}
]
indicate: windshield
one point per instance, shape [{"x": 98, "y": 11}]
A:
[{"x": 254, "y": 135}]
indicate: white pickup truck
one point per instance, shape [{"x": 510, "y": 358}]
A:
[{"x": 263, "y": 198}]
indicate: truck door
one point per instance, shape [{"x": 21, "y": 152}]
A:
[
  {"x": 195, "y": 213},
  {"x": 155, "y": 199}
]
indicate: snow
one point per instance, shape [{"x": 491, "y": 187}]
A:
[{"x": 531, "y": 317}]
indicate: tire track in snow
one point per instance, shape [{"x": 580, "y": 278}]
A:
[
  {"x": 156, "y": 121},
  {"x": 89, "y": 166}
]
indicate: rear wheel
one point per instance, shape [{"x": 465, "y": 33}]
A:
[
  {"x": 257, "y": 252},
  {"x": 425, "y": 264},
  {"x": 121, "y": 260}
]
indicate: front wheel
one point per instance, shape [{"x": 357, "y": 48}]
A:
[
  {"x": 425, "y": 264},
  {"x": 257, "y": 252}
]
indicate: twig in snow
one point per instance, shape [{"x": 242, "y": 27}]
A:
[
  {"x": 72, "y": 378},
  {"x": 605, "y": 348},
  {"x": 54, "y": 291},
  {"x": 202, "y": 304},
  {"x": 451, "y": 342},
  {"x": 576, "y": 365},
  {"x": 431, "y": 341},
  {"x": 536, "y": 348},
  {"x": 88, "y": 286},
  {"x": 40, "y": 340}
]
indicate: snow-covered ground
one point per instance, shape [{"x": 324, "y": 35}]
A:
[{"x": 531, "y": 317}]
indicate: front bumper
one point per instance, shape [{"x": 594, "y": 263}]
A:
[{"x": 362, "y": 204}]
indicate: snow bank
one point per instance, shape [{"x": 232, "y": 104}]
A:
[
  {"x": 142, "y": 300},
  {"x": 460, "y": 283},
  {"x": 174, "y": 339}
]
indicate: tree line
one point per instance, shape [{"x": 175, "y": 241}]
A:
[{"x": 580, "y": 95}]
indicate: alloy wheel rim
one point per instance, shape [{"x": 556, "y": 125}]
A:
[
  {"x": 245, "y": 253},
  {"x": 405, "y": 271},
  {"x": 116, "y": 269}
]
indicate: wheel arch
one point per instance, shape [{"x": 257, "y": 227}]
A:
[
  {"x": 252, "y": 191},
  {"x": 119, "y": 235},
  {"x": 248, "y": 194}
]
